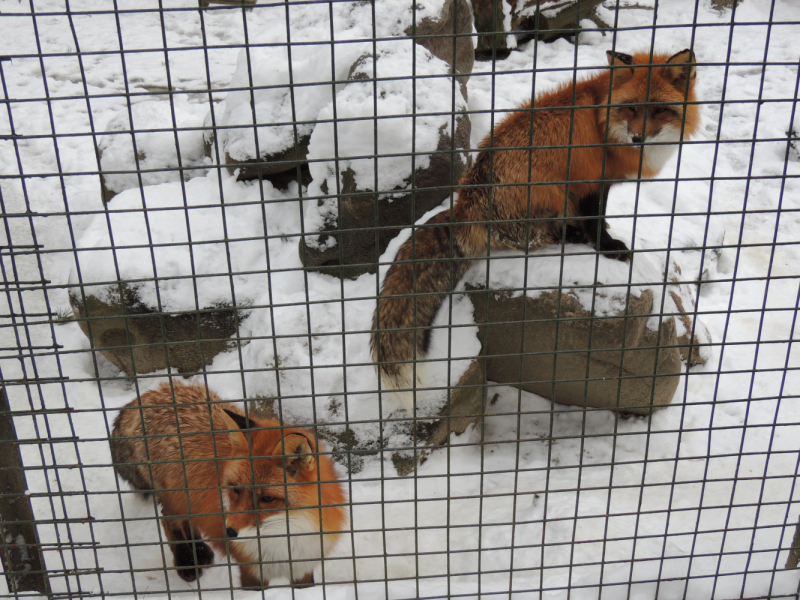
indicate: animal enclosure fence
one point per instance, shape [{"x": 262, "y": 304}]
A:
[{"x": 212, "y": 193}]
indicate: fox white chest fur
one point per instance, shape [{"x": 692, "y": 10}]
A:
[{"x": 286, "y": 552}]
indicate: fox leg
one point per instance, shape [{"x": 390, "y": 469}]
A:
[
  {"x": 306, "y": 580},
  {"x": 250, "y": 578},
  {"x": 189, "y": 551},
  {"x": 594, "y": 205}
]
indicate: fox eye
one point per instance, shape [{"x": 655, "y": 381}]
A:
[
  {"x": 268, "y": 499},
  {"x": 235, "y": 492},
  {"x": 630, "y": 110},
  {"x": 660, "y": 110}
]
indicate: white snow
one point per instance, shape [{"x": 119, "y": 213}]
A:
[
  {"x": 157, "y": 150},
  {"x": 699, "y": 501}
]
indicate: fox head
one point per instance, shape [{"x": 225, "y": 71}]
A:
[
  {"x": 652, "y": 102},
  {"x": 263, "y": 477}
]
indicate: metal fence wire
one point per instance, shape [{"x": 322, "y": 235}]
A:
[{"x": 305, "y": 298}]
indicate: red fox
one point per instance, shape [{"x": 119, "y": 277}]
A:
[
  {"x": 571, "y": 144},
  {"x": 268, "y": 493}
]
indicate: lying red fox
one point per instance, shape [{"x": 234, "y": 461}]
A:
[{"x": 240, "y": 503}]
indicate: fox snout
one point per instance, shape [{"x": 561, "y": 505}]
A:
[
  {"x": 231, "y": 532},
  {"x": 640, "y": 136},
  {"x": 637, "y": 133}
]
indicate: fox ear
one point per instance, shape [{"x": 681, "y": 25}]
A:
[
  {"x": 238, "y": 439},
  {"x": 242, "y": 421},
  {"x": 617, "y": 59},
  {"x": 239, "y": 446},
  {"x": 299, "y": 452},
  {"x": 682, "y": 66}
]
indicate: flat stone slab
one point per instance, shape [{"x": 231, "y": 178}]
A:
[
  {"x": 572, "y": 357},
  {"x": 138, "y": 339}
]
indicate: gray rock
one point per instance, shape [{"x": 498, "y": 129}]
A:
[
  {"x": 437, "y": 36},
  {"x": 272, "y": 168},
  {"x": 156, "y": 156},
  {"x": 270, "y": 164},
  {"x": 138, "y": 339},
  {"x": 613, "y": 362},
  {"x": 545, "y": 20},
  {"x": 360, "y": 235}
]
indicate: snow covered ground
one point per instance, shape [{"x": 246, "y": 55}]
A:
[{"x": 698, "y": 501}]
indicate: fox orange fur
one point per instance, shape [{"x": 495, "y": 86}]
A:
[
  {"x": 242, "y": 484},
  {"x": 544, "y": 172}
]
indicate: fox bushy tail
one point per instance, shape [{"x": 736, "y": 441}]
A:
[
  {"x": 434, "y": 260},
  {"x": 427, "y": 266}
]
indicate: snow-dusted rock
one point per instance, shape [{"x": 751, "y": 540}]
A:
[
  {"x": 388, "y": 170},
  {"x": 267, "y": 128},
  {"x": 156, "y": 152},
  {"x": 158, "y": 268},
  {"x": 599, "y": 341},
  {"x": 505, "y": 24}
]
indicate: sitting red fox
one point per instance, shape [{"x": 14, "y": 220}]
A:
[
  {"x": 239, "y": 503},
  {"x": 544, "y": 171}
]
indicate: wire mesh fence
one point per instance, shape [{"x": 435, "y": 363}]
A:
[{"x": 306, "y": 296}]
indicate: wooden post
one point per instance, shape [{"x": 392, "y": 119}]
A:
[
  {"x": 19, "y": 542},
  {"x": 248, "y": 3},
  {"x": 794, "y": 552}
]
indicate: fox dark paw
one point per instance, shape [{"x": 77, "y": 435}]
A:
[
  {"x": 616, "y": 249},
  {"x": 191, "y": 555},
  {"x": 575, "y": 235}
]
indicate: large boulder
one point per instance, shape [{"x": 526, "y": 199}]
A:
[
  {"x": 416, "y": 155},
  {"x": 159, "y": 267},
  {"x": 266, "y": 129}
]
